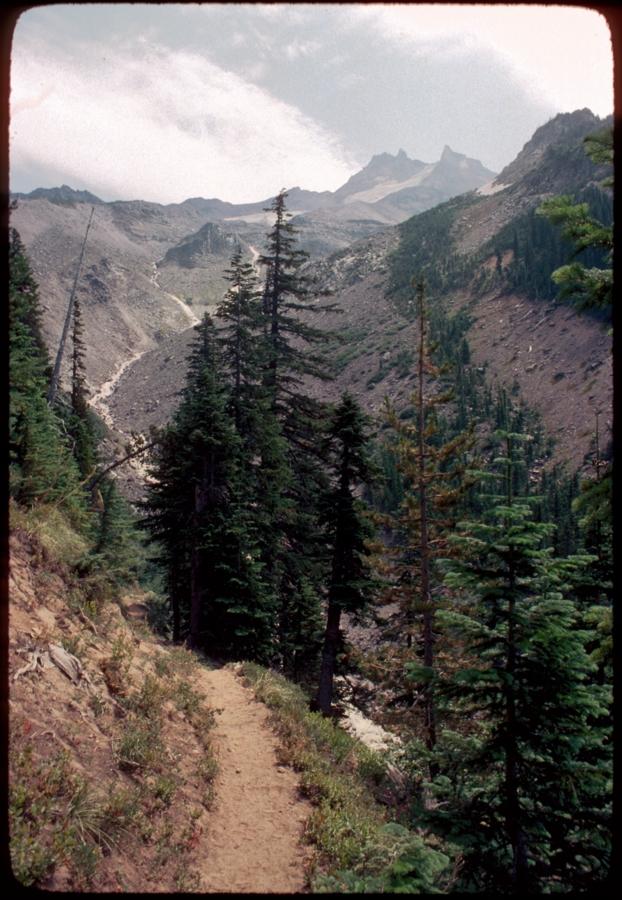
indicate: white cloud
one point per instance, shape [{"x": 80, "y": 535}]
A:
[
  {"x": 163, "y": 125},
  {"x": 562, "y": 54},
  {"x": 301, "y": 48}
]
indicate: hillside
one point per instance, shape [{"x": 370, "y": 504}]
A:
[
  {"x": 150, "y": 270},
  {"x": 141, "y": 766},
  {"x": 306, "y": 646},
  {"x": 559, "y": 361}
]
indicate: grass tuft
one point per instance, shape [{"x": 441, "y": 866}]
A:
[{"x": 357, "y": 849}]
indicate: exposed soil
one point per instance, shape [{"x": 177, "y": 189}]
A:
[
  {"x": 241, "y": 832},
  {"x": 254, "y": 840}
]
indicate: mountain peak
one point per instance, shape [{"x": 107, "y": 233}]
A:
[
  {"x": 564, "y": 129},
  {"x": 61, "y": 195},
  {"x": 448, "y": 153}
]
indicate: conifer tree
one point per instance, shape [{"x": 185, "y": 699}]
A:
[
  {"x": 240, "y": 312},
  {"x": 531, "y": 804},
  {"x": 433, "y": 471},
  {"x": 41, "y": 467},
  {"x": 350, "y": 580},
  {"x": 80, "y": 424},
  {"x": 590, "y": 286},
  {"x": 295, "y": 558},
  {"x": 196, "y": 511}
]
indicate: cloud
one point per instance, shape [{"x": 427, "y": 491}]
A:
[
  {"x": 161, "y": 124},
  {"x": 297, "y": 48},
  {"x": 561, "y": 54}
]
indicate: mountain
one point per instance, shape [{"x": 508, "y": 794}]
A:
[
  {"x": 558, "y": 361},
  {"x": 150, "y": 270},
  {"x": 60, "y": 195},
  {"x": 386, "y": 191}
]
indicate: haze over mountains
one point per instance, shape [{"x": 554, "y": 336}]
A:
[
  {"x": 387, "y": 190},
  {"x": 151, "y": 270}
]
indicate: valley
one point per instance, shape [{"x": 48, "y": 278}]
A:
[
  {"x": 344, "y": 620},
  {"x": 139, "y": 313}
]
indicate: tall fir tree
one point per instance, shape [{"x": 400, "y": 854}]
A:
[
  {"x": 296, "y": 556},
  {"x": 348, "y": 529},
  {"x": 41, "y": 466},
  {"x": 531, "y": 802},
  {"x": 590, "y": 287},
  {"x": 81, "y": 424},
  {"x": 197, "y": 512}
]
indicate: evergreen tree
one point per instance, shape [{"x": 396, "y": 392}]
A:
[
  {"x": 116, "y": 546},
  {"x": 433, "y": 471},
  {"x": 591, "y": 287},
  {"x": 196, "y": 513},
  {"x": 81, "y": 424},
  {"x": 531, "y": 805},
  {"x": 240, "y": 312},
  {"x": 288, "y": 293},
  {"x": 348, "y": 528},
  {"x": 41, "y": 466},
  {"x": 295, "y": 557}
]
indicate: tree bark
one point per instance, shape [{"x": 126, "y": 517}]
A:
[{"x": 324, "y": 695}]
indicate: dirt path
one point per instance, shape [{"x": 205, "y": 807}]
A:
[{"x": 254, "y": 839}]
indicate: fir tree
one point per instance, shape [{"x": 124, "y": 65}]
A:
[
  {"x": 41, "y": 467},
  {"x": 532, "y": 806},
  {"x": 81, "y": 424},
  {"x": 348, "y": 528},
  {"x": 240, "y": 313},
  {"x": 197, "y": 513},
  {"x": 294, "y": 558},
  {"x": 591, "y": 287}
]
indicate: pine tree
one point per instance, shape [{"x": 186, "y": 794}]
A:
[
  {"x": 531, "y": 805},
  {"x": 240, "y": 312},
  {"x": 287, "y": 294},
  {"x": 197, "y": 511},
  {"x": 80, "y": 421},
  {"x": 591, "y": 287},
  {"x": 295, "y": 557},
  {"x": 348, "y": 528}
]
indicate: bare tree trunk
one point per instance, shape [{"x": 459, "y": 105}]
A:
[{"x": 61, "y": 347}]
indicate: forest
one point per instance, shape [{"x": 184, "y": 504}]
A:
[{"x": 272, "y": 520}]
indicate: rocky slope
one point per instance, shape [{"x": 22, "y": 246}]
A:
[
  {"x": 161, "y": 263},
  {"x": 150, "y": 270},
  {"x": 559, "y": 361}
]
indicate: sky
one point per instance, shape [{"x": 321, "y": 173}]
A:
[{"x": 164, "y": 102}]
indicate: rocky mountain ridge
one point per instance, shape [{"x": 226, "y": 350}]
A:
[{"x": 560, "y": 362}]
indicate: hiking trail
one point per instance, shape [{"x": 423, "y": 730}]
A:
[{"x": 254, "y": 839}]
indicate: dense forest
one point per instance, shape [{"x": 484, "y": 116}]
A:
[{"x": 271, "y": 518}]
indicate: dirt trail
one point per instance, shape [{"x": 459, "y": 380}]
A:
[{"x": 254, "y": 839}]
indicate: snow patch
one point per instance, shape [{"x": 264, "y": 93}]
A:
[
  {"x": 491, "y": 187},
  {"x": 384, "y": 188}
]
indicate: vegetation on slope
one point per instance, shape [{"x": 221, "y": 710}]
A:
[
  {"x": 248, "y": 513},
  {"x": 360, "y": 850},
  {"x": 111, "y": 771}
]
